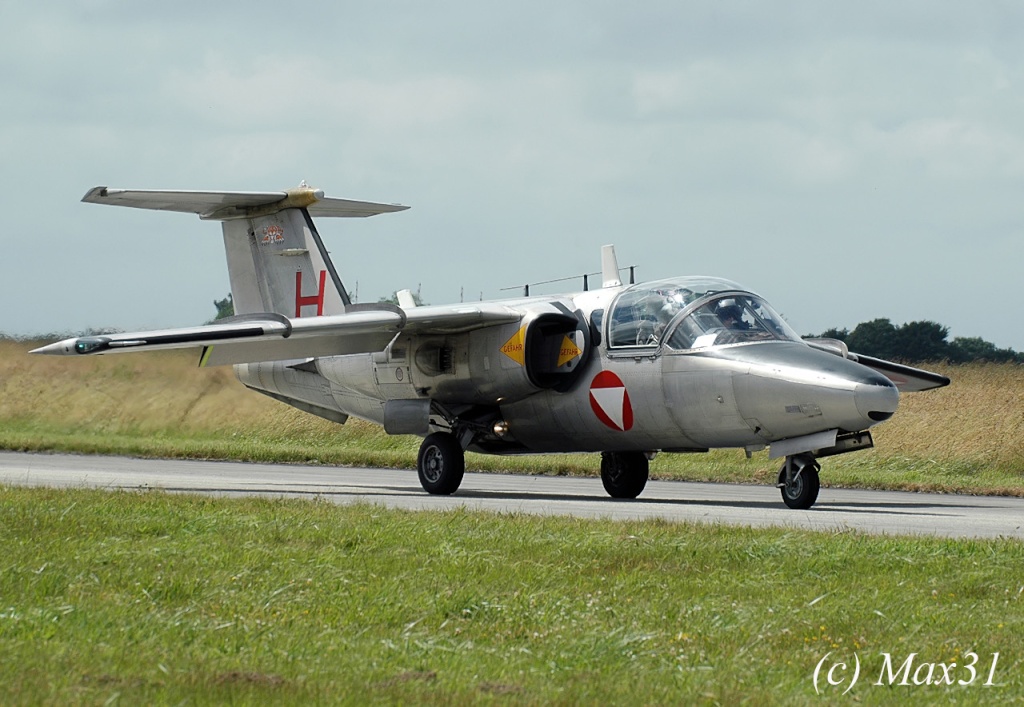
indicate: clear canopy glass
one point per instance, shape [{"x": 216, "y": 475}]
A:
[{"x": 693, "y": 313}]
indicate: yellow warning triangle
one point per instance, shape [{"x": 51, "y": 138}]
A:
[
  {"x": 568, "y": 352},
  {"x": 515, "y": 348}
]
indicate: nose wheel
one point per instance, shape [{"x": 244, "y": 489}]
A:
[{"x": 798, "y": 480}]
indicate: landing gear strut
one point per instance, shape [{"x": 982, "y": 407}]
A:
[
  {"x": 441, "y": 464},
  {"x": 624, "y": 474},
  {"x": 798, "y": 480}
]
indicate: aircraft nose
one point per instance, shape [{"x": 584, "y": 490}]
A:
[
  {"x": 793, "y": 390},
  {"x": 876, "y": 400}
]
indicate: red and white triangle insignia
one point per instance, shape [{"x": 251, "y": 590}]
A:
[{"x": 609, "y": 400}]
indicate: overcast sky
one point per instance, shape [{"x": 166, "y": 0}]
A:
[{"x": 848, "y": 161}]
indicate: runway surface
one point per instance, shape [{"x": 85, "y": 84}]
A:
[{"x": 889, "y": 512}]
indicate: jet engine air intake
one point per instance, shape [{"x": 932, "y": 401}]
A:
[{"x": 555, "y": 345}]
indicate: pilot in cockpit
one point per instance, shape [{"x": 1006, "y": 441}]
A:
[{"x": 731, "y": 317}]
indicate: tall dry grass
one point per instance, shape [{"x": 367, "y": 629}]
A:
[
  {"x": 148, "y": 392},
  {"x": 979, "y": 417}
]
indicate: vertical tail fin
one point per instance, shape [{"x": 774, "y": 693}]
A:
[{"x": 277, "y": 263}]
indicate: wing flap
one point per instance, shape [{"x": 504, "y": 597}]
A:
[{"x": 257, "y": 350}]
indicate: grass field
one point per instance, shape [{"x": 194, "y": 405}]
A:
[
  {"x": 968, "y": 437},
  {"x": 152, "y": 598}
]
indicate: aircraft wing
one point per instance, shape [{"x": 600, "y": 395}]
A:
[
  {"x": 907, "y": 379},
  {"x": 273, "y": 337}
]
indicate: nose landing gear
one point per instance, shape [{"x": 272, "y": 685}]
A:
[{"x": 798, "y": 480}]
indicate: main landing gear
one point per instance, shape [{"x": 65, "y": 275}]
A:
[
  {"x": 441, "y": 464},
  {"x": 624, "y": 474},
  {"x": 798, "y": 480}
]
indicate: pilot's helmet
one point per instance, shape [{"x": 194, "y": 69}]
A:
[{"x": 729, "y": 313}]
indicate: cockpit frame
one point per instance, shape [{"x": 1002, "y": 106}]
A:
[{"x": 688, "y": 315}]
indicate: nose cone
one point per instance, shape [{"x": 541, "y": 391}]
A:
[
  {"x": 877, "y": 401},
  {"x": 793, "y": 390}
]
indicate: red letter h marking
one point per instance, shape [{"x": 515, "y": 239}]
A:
[{"x": 317, "y": 299}]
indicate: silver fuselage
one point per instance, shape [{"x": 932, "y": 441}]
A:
[{"x": 589, "y": 394}]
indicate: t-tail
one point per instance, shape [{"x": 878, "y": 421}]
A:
[{"x": 277, "y": 261}]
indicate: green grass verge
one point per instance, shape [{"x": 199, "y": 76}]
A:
[{"x": 155, "y": 598}]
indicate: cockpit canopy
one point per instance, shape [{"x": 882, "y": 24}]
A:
[{"x": 693, "y": 313}]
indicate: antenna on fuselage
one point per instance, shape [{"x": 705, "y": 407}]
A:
[
  {"x": 610, "y": 267},
  {"x": 609, "y": 274}
]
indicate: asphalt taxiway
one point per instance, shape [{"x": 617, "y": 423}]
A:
[{"x": 886, "y": 512}]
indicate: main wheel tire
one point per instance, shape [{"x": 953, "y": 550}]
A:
[
  {"x": 803, "y": 491},
  {"x": 624, "y": 474},
  {"x": 441, "y": 464}
]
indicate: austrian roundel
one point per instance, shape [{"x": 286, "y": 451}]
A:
[{"x": 610, "y": 401}]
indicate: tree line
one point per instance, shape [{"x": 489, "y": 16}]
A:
[{"x": 917, "y": 342}]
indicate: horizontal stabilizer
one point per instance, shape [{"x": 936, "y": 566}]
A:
[{"x": 227, "y": 205}]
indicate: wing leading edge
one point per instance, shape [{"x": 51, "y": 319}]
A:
[
  {"x": 907, "y": 379},
  {"x": 273, "y": 337}
]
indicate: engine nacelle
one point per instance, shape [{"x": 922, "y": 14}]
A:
[{"x": 499, "y": 364}]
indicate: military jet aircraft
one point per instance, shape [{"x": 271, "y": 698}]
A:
[{"x": 680, "y": 365}]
